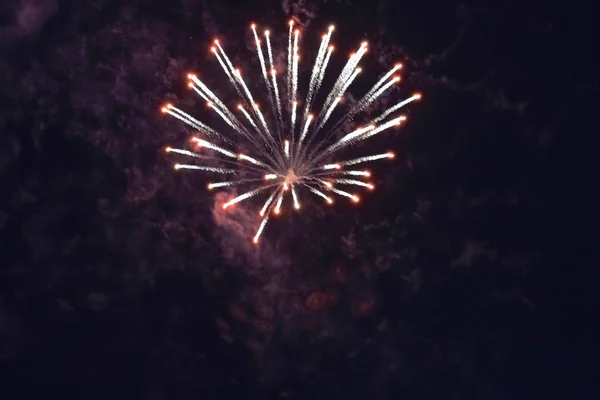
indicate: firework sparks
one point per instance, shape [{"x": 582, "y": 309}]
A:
[{"x": 287, "y": 153}]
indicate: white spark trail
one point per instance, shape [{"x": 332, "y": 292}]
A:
[
  {"x": 204, "y": 168},
  {"x": 267, "y": 203},
  {"x": 353, "y": 182},
  {"x": 396, "y": 107},
  {"x": 319, "y": 193},
  {"x": 343, "y": 193},
  {"x": 260, "y": 229},
  {"x": 360, "y": 160},
  {"x": 194, "y": 123},
  {"x": 244, "y": 196},
  {"x": 209, "y": 145},
  {"x": 295, "y": 198}
]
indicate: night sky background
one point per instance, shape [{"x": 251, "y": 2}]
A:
[{"x": 121, "y": 278}]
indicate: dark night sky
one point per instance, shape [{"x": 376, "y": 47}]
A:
[{"x": 119, "y": 279}]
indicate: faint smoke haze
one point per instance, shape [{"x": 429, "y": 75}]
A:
[{"x": 29, "y": 18}]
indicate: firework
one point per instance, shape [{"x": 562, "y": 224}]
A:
[{"x": 289, "y": 149}]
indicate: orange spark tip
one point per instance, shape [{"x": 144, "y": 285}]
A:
[
  {"x": 391, "y": 155},
  {"x": 190, "y": 84},
  {"x": 216, "y": 41},
  {"x": 310, "y": 116},
  {"x": 273, "y": 71},
  {"x": 276, "y": 212},
  {"x": 262, "y": 214},
  {"x": 399, "y": 65},
  {"x": 331, "y": 27},
  {"x": 368, "y": 173},
  {"x": 255, "y": 240},
  {"x": 164, "y": 109},
  {"x": 331, "y": 48},
  {"x": 396, "y": 78},
  {"x": 213, "y": 49},
  {"x": 329, "y": 201},
  {"x": 176, "y": 166},
  {"x": 225, "y": 206},
  {"x": 291, "y": 22},
  {"x": 402, "y": 117},
  {"x": 253, "y": 26},
  {"x": 209, "y": 186},
  {"x": 240, "y": 106},
  {"x": 338, "y": 166},
  {"x": 267, "y": 32},
  {"x": 417, "y": 96},
  {"x": 297, "y": 32},
  {"x": 355, "y": 199},
  {"x": 191, "y": 76},
  {"x": 297, "y": 206},
  {"x": 358, "y": 69},
  {"x": 371, "y": 186},
  {"x": 167, "y": 149},
  {"x": 364, "y": 43}
]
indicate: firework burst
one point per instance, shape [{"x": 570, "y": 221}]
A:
[{"x": 289, "y": 149}]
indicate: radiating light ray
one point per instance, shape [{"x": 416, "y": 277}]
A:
[
  {"x": 294, "y": 106},
  {"x": 222, "y": 184},
  {"x": 316, "y": 71},
  {"x": 184, "y": 152},
  {"x": 304, "y": 131},
  {"x": 204, "y": 168},
  {"x": 320, "y": 194},
  {"x": 295, "y": 197},
  {"x": 396, "y": 107},
  {"x": 352, "y": 135},
  {"x": 353, "y": 182},
  {"x": 261, "y": 58},
  {"x": 267, "y": 203},
  {"x": 244, "y": 196},
  {"x": 277, "y": 99},
  {"x": 381, "y": 128},
  {"x": 295, "y": 56},
  {"x": 372, "y": 95},
  {"x": 290, "y": 62},
  {"x": 202, "y": 88},
  {"x": 344, "y": 193},
  {"x": 343, "y": 172},
  {"x": 268, "y": 154},
  {"x": 278, "y": 205},
  {"x": 260, "y": 229},
  {"x": 252, "y": 160},
  {"x": 208, "y": 145},
  {"x": 360, "y": 160},
  {"x": 332, "y": 166},
  {"x": 194, "y": 123}
]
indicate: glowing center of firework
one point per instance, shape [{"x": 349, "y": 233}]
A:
[{"x": 291, "y": 177}]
